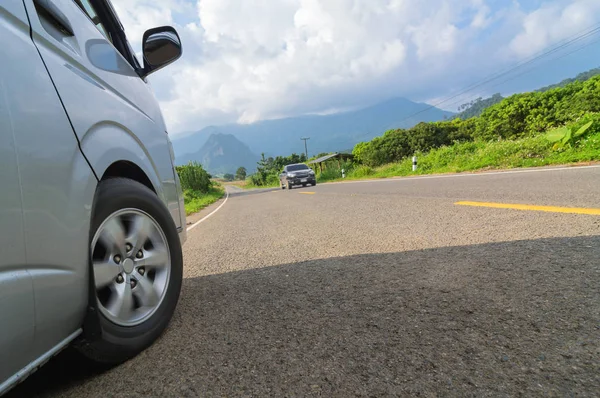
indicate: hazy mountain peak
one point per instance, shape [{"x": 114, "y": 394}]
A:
[
  {"x": 222, "y": 153},
  {"x": 327, "y": 133}
]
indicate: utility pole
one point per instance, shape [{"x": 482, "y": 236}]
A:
[{"x": 305, "y": 147}]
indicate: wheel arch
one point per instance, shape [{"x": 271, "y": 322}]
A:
[
  {"x": 112, "y": 151},
  {"x": 129, "y": 170}
]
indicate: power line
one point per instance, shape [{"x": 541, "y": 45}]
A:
[
  {"x": 542, "y": 53},
  {"x": 487, "y": 80},
  {"x": 523, "y": 63},
  {"x": 589, "y": 32},
  {"x": 557, "y": 58},
  {"x": 534, "y": 67}
]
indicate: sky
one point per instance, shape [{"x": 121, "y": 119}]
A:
[{"x": 250, "y": 60}]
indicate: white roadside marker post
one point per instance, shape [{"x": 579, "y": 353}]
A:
[
  {"x": 414, "y": 159},
  {"x": 343, "y": 174}
]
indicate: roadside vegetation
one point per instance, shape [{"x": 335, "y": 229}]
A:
[
  {"x": 196, "y": 201},
  {"x": 558, "y": 124},
  {"x": 199, "y": 190},
  {"x": 555, "y": 126},
  {"x": 472, "y": 156}
]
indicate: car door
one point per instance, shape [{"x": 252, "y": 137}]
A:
[
  {"x": 57, "y": 187},
  {"x": 16, "y": 289},
  {"x": 113, "y": 111}
]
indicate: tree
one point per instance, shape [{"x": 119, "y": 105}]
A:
[
  {"x": 240, "y": 174},
  {"x": 193, "y": 177},
  {"x": 476, "y": 107},
  {"x": 228, "y": 177}
]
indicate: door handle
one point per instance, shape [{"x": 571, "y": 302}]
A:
[{"x": 48, "y": 9}]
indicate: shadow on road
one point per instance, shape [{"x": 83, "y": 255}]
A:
[{"x": 494, "y": 319}]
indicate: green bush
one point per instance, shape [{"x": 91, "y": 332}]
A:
[
  {"x": 504, "y": 154},
  {"x": 273, "y": 179},
  {"x": 585, "y": 119},
  {"x": 193, "y": 177},
  {"x": 330, "y": 173},
  {"x": 572, "y": 133},
  {"x": 532, "y": 113},
  {"x": 515, "y": 117},
  {"x": 257, "y": 179},
  {"x": 398, "y": 144}
]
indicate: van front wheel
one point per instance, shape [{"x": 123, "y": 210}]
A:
[{"x": 136, "y": 270}]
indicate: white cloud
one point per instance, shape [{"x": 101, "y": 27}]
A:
[
  {"x": 554, "y": 22},
  {"x": 246, "y": 60}
]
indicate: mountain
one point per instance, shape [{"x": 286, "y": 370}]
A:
[
  {"x": 476, "y": 107},
  {"x": 222, "y": 153},
  {"x": 582, "y": 77},
  {"x": 327, "y": 132}
]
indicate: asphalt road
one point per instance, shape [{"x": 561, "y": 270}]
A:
[{"x": 384, "y": 288}]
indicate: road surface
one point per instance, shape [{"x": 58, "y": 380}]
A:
[{"x": 380, "y": 288}]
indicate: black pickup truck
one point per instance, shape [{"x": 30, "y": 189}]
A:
[{"x": 297, "y": 174}]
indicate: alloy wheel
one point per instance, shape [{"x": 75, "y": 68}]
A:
[{"x": 132, "y": 266}]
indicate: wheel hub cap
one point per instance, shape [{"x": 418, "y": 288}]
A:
[
  {"x": 128, "y": 265},
  {"x": 132, "y": 266}
]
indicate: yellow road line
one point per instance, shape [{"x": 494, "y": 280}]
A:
[
  {"x": 307, "y": 193},
  {"x": 551, "y": 209}
]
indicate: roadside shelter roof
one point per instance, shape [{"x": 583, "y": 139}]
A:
[{"x": 323, "y": 158}]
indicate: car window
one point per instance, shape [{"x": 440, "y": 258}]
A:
[
  {"x": 297, "y": 167},
  {"x": 134, "y": 59},
  {"x": 107, "y": 22},
  {"x": 93, "y": 15}
]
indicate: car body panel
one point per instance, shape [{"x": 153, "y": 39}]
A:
[
  {"x": 106, "y": 100},
  {"x": 57, "y": 187},
  {"x": 17, "y": 305}
]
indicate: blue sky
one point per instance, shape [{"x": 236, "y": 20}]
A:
[{"x": 250, "y": 60}]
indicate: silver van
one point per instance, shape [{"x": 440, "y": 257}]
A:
[{"x": 91, "y": 210}]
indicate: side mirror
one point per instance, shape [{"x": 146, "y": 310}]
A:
[{"x": 161, "y": 46}]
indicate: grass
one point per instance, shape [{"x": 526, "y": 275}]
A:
[
  {"x": 472, "y": 156},
  {"x": 196, "y": 201},
  {"x": 250, "y": 185}
]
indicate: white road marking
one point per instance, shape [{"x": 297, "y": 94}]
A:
[
  {"x": 211, "y": 213},
  {"x": 465, "y": 174}
]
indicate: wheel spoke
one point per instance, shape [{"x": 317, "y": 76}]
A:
[
  {"x": 121, "y": 302},
  {"x": 105, "y": 273},
  {"x": 113, "y": 236},
  {"x": 156, "y": 258},
  {"x": 141, "y": 230},
  {"x": 145, "y": 292},
  {"x": 130, "y": 284}
]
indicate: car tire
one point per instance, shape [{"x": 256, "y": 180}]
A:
[
  {"x": 313, "y": 183},
  {"x": 116, "y": 342},
  {"x": 289, "y": 186}
]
